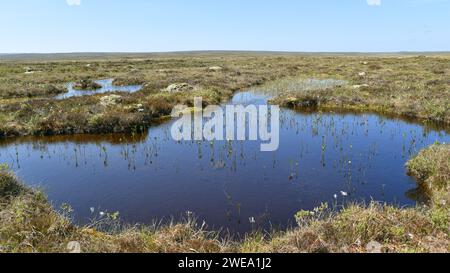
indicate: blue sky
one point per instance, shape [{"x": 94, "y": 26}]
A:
[{"x": 177, "y": 25}]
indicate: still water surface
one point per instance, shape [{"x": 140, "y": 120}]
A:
[
  {"x": 107, "y": 87},
  {"x": 227, "y": 184}
]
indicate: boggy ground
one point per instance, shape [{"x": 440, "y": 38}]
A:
[
  {"x": 27, "y": 90},
  {"x": 411, "y": 86},
  {"x": 28, "y": 223}
]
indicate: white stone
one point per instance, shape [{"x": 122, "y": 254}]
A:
[
  {"x": 215, "y": 68},
  {"x": 110, "y": 100},
  {"x": 74, "y": 247},
  {"x": 374, "y": 247},
  {"x": 358, "y": 86},
  {"x": 179, "y": 87}
]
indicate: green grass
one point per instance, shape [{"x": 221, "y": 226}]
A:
[
  {"x": 9, "y": 188},
  {"x": 28, "y": 109},
  {"x": 431, "y": 167},
  {"x": 415, "y": 87},
  {"x": 408, "y": 86}
]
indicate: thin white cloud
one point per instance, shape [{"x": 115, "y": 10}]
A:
[
  {"x": 73, "y": 2},
  {"x": 374, "y": 2}
]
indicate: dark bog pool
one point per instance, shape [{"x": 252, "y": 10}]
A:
[
  {"x": 148, "y": 177},
  {"x": 107, "y": 86}
]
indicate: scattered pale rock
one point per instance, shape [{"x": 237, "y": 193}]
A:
[
  {"x": 110, "y": 100},
  {"x": 29, "y": 70},
  {"x": 179, "y": 87},
  {"x": 136, "y": 108},
  {"x": 365, "y": 63},
  {"x": 358, "y": 86},
  {"x": 74, "y": 247},
  {"x": 215, "y": 68},
  {"x": 13, "y": 125},
  {"x": 374, "y": 247}
]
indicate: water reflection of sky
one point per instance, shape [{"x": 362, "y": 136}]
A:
[
  {"x": 107, "y": 86},
  {"x": 147, "y": 177}
]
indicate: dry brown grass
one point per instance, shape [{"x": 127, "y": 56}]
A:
[
  {"x": 355, "y": 227},
  {"x": 413, "y": 86}
]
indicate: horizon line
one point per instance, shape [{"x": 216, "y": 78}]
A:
[{"x": 223, "y": 51}]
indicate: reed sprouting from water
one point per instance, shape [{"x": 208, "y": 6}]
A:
[{"x": 28, "y": 223}]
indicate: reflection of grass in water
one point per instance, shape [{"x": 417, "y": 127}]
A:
[{"x": 28, "y": 223}]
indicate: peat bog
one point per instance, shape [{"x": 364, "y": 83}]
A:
[{"x": 323, "y": 158}]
